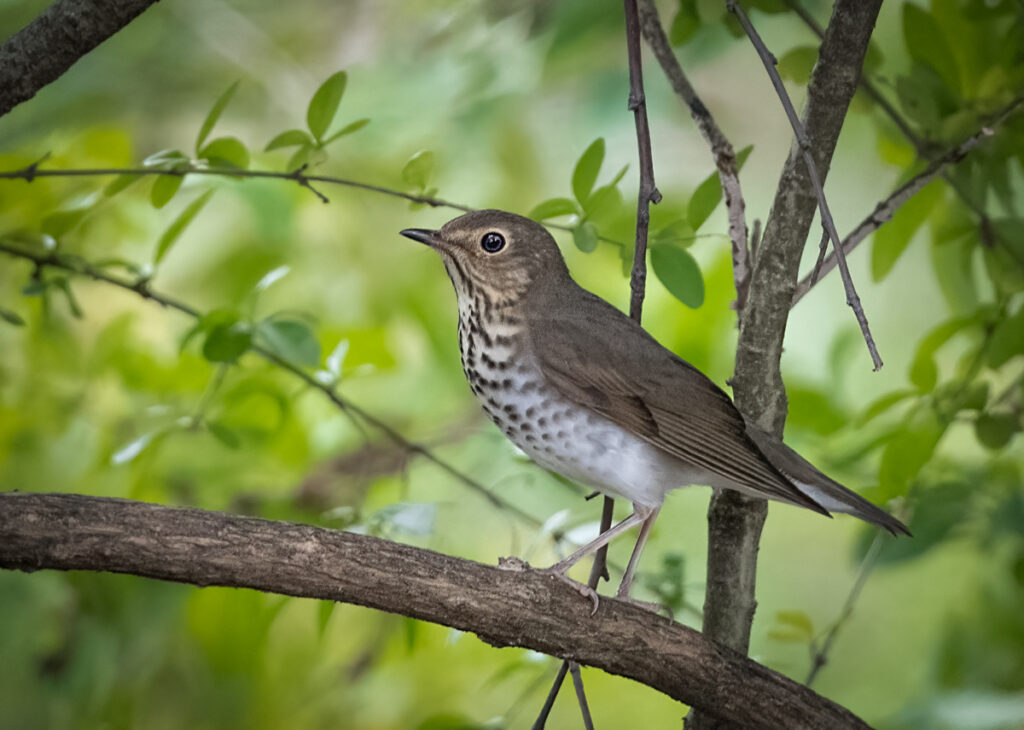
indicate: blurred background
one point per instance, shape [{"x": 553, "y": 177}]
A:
[{"x": 494, "y": 104}]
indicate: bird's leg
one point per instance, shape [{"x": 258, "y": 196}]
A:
[
  {"x": 650, "y": 514},
  {"x": 560, "y": 568}
]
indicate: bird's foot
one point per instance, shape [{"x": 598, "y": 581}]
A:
[{"x": 582, "y": 588}]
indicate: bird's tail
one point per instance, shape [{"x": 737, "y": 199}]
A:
[{"x": 827, "y": 492}]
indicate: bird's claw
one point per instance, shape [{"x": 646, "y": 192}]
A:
[{"x": 582, "y": 588}]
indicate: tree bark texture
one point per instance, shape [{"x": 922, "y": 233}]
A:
[
  {"x": 44, "y": 49},
  {"x": 516, "y": 606},
  {"x": 735, "y": 521}
]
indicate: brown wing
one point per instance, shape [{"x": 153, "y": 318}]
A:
[{"x": 635, "y": 382}]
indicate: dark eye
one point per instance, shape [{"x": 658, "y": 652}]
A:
[{"x": 492, "y": 242}]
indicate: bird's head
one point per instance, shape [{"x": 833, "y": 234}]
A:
[{"x": 501, "y": 255}]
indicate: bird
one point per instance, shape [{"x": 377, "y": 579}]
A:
[{"x": 587, "y": 393}]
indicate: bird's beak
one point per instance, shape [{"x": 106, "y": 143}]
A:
[{"x": 430, "y": 238}]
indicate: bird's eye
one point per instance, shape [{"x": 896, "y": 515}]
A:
[{"x": 492, "y": 242}]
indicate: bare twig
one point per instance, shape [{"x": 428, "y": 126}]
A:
[
  {"x": 648, "y": 191},
  {"x": 805, "y": 147},
  {"x": 820, "y": 656},
  {"x": 721, "y": 148},
  {"x": 142, "y": 288},
  {"x": 581, "y": 697},
  {"x": 885, "y": 210},
  {"x": 504, "y": 607}
]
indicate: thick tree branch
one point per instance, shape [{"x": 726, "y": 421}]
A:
[
  {"x": 504, "y": 607},
  {"x": 47, "y": 47},
  {"x": 721, "y": 149},
  {"x": 735, "y": 521}
]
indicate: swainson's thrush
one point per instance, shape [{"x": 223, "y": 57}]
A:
[{"x": 587, "y": 393}]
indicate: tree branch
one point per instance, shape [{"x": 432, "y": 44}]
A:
[
  {"x": 735, "y": 521},
  {"x": 816, "y": 181},
  {"x": 46, "y": 48},
  {"x": 721, "y": 149},
  {"x": 504, "y": 607},
  {"x": 885, "y": 210},
  {"x": 648, "y": 191}
]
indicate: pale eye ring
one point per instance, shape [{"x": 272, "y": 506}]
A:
[{"x": 492, "y": 242}]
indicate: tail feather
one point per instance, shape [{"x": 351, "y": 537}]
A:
[{"x": 827, "y": 492}]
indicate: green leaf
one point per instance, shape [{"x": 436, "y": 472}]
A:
[
  {"x": 118, "y": 184},
  {"x": 11, "y": 317},
  {"x": 883, "y": 404},
  {"x": 178, "y": 226},
  {"x": 324, "y": 104},
  {"x": 226, "y": 342},
  {"x": 214, "y": 114},
  {"x": 226, "y": 152},
  {"x": 904, "y": 456},
  {"x": 291, "y": 138},
  {"x": 677, "y": 232},
  {"x": 271, "y": 277},
  {"x": 685, "y": 24},
  {"x": 927, "y": 43},
  {"x": 936, "y": 515},
  {"x": 348, "y": 129},
  {"x": 605, "y": 199},
  {"x": 59, "y": 223},
  {"x": 792, "y": 626},
  {"x": 587, "y": 167},
  {"x": 166, "y": 159},
  {"x": 418, "y": 169},
  {"x": 585, "y": 236},
  {"x": 892, "y": 239},
  {"x": 1007, "y": 340},
  {"x": 553, "y": 208},
  {"x": 953, "y": 263},
  {"x": 797, "y": 63},
  {"x": 994, "y": 429},
  {"x": 299, "y": 158},
  {"x": 132, "y": 449},
  {"x": 679, "y": 272},
  {"x": 814, "y": 409},
  {"x": 64, "y": 284},
  {"x": 164, "y": 188},
  {"x": 923, "y": 372},
  {"x": 291, "y": 340},
  {"x": 336, "y": 360},
  {"x": 225, "y": 435},
  {"x": 709, "y": 193}
]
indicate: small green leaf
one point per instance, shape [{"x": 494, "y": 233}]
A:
[
  {"x": 224, "y": 434},
  {"x": 1007, "y": 340},
  {"x": 35, "y": 288},
  {"x": 418, "y": 169},
  {"x": 166, "y": 159},
  {"x": 677, "y": 232},
  {"x": 11, "y": 317},
  {"x": 685, "y": 24},
  {"x": 797, "y": 620},
  {"x": 995, "y": 429},
  {"x": 923, "y": 372},
  {"x": 132, "y": 449},
  {"x": 226, "y": 342},
  {"x": 348, "y": 129},
  {"x": 883, "y": 404},
  {"x": 585, "y": 173},
  {"x": 336, "y": 360},
  {"x": 324, "y": 104},
  {"x": 291, "y": 138},
  {"x": 927, "y": 43},
  {"x": 797, "y": 63},
  {"x": 164, "y": 188},
  {"x": 300, "y": 158},
  {"x": 709, "y": 193},
  {"x": 606, "y": 198},
  {"x": 118, "y": 184},
  {"x": 553, "y": 208},
  {"x": 226, "y": 152},
  {"x": 679, "y": 272},
  {"x": 64, "y": 284},
  {"x": 178, "y": 226},
  {"x": 59, "y": 223},
  {"x": 892, "y": 239},
  {"x": 904, "y": 456},
  {"x": 585, "y": 236},
  {"x": 291, "y": 340},
  {"x": 214, "y": 114},
  {"x": 271, "y": 277}
]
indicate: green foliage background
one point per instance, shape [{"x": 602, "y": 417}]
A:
[{"x": 493, "y": 104}]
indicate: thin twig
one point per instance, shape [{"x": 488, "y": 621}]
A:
[
  {"x": 820, "y": 656},
  {"x": 721, "y": 148},
  {"x": 577, "y": 683},
  {"x": 31, "y": 172},
  {"x": 142, "y": 288},
  {"x": 648, "y": 191},
  {"x": 885, "y": 210},
  {"x": 812, "y": 172}
]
